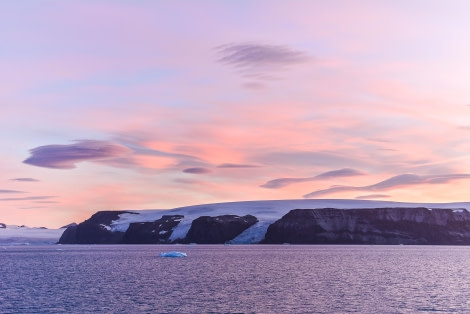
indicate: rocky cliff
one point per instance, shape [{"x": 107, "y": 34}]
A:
[
  {"x": 372, "y": 226},
  {"x": 203, "y": 230},
  {"x": 219, "y": 229},
  {"x": 156, "y": 232},
  {"x": 94, "y": 230}
]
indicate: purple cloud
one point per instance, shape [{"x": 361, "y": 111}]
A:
[
  {"x": 391, "y": 183},
  {"x": 29, "y": 198},
  {"x": 249, "y": 55},
  {"x": 196, "y": 170},
  {"x": 25, "y": 179},
  {"x": 229, "y": 165},
  {"x": 282, "y": 182},
  {"x": 66, "y": 156},
  {"x": 257, "y": 61},
  {"x": 10, "y": 191},
  {"x": 345, "y": 172}
]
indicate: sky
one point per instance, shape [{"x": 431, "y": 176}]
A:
[{"x": 114, "y": 105}]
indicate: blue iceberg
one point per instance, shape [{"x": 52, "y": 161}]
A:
[{"x": 173, "y": 254}]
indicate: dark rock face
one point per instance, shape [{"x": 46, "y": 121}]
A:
[
  {"x": 69, "y": 236},
  {"x": 105, "y": 217},
  {"x": 69, "y": 225},
  {"x": 94, "y": 230},
  {"x": 219, "y": 229},
  {"x": 2, "y": 225},
  {"x": 372, "y": 226},
  {"x": 157, "y": 232}
]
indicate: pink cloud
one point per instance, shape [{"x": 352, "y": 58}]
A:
[{"x": 197, "y": 170}]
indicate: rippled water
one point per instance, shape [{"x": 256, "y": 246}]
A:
[{"x": 237, "y": 278}]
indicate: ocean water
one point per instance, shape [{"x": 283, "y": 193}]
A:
[{"x": 236, "y": 278}]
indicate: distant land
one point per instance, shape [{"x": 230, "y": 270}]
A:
[
  {"x": 265, "y": 222},
  {"x": 23, "y": 235},
  {"x": 283, "y": 221}
]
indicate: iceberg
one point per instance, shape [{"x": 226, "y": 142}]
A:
[{"x": 173, "y": 254}]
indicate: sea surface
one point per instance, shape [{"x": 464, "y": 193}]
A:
[{"x": 235, "y": 278}]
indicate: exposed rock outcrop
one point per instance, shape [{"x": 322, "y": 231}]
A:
[
  {"x": 95, "y": 230},
  {"x": 372, "y": 226},
  {"x": 2, "y": 225},
  {"x": 157, "y": 232},
  {"x": 219, "y": 229},
  {"x": 69, "y": 236},
  {"x": 69, "y": 225}
]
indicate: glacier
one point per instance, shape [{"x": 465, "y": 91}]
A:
[{"x": 21, "y": 235}]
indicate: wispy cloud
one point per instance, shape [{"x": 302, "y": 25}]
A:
[
  {"x": 254, "y": 86},
  {"x": 146, "y": 155},
  {"x": 254, "y": 54},
  {"x": 10, "y": 191},
  {"x": 282, "y": 182},
  {"x": 311, "y": 158},
  {"x": 135, "y": 143},
  {"x": 197, "y": 170},
  {"x": 229, "y": 165},
  {"x": 345, "y": 172},
  {"x": 46, "y": 202},
  {"x": 398, "y": 181},
  {"x": 24, "y": 179},
  {"x": 29, "y": 198},
  {"x": 257, "y": 60},
  {"x": 66, "y": 156}
]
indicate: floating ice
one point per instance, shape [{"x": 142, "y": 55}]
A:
[{"x": 173, "y": 254}]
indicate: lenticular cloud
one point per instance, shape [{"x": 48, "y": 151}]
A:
[
  {"x": 399, "y": 181},
  {"x": 248, "y": 55},
  {"x": 196, "y": 170},
  {"x": 66, "y": 156}
]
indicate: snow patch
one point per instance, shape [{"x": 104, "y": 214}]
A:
[{"x": 106, "y": 227}]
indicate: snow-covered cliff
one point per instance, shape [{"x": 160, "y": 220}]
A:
[{"x": 173, "y": 226}]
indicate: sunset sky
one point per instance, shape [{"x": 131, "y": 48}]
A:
[{"x": 109, "y": 105}]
